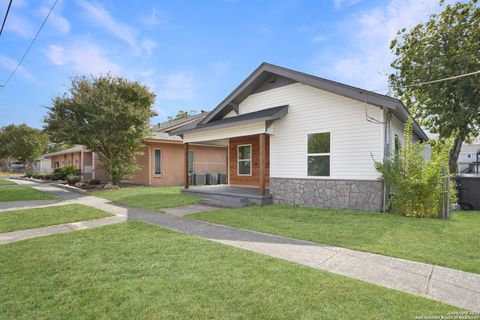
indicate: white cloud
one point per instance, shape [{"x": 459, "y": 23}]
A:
[
  {"x": 59, "y": 23},
  {"x": 10, "y": 64},
  {"x": 154, "y": 19},
  {"x": 84, "y": 57},
  {"x": 319, "y": 38},
  {"x": 148, "y": 45},
  {"x": 177, "y": 86},
  {"x": 56, "y": 54},
  {"x": 148, "y": 72},
  {"x": 367, "y": 56},
  {"x": 101, "y": 17},
  {"x": 339, "y": 4},
  {"x": 20, "y": 26}
]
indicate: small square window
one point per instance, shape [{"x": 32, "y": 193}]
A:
[
  {"x": 319, "y": 142},
  {"x": 318, "y": 165}
]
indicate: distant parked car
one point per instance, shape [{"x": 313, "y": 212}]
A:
[
  {"x": 468, "y": 189},
  {"x": 17, "y": 167}
]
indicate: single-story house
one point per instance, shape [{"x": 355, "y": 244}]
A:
[
  {"x": 42, "y": 165},
  {"x": 79, "y": 157},
  {"x": 295, "y": 138},
  {"x": 162, "y": 161},
  {"x": 469, "y": 157}
]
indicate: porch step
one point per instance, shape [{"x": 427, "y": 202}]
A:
[
  {"x": 229, "y": 196},
  {"x": 225, "y": 201}
]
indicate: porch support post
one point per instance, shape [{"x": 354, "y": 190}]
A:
[
  {"x": 186, "y": 165},
  {"x": 261, "y": 162}
]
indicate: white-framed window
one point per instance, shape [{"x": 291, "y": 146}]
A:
[
  {"x": 397, "y": 144},
  {"x": 318, "y": 154},
  {"x": 191, "y": 161},
  {"x": 244, "y": 160},
  {"x": 157, "y": 156}
]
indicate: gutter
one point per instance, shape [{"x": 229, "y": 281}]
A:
[{"x": 386, "y": 153}]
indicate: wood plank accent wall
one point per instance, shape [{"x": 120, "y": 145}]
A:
[{"x": 252, "y": 180}]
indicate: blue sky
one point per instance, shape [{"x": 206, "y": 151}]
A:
[{"x": 194, "y": 53}]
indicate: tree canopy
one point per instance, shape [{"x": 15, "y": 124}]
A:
[
  {"x": 109, "y": 115},
  {"x": 182, "y": 115},
  {"x": 447, "y": 45},
  {"x": 22, "y": 143}
]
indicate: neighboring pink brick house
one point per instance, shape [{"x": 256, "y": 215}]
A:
[{"x": 162, "y": 162}]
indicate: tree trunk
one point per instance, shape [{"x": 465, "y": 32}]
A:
[{"x": 454, "y": 153}]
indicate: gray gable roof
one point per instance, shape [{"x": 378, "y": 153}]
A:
[
  {"x": 261, "y": 115},
  {"x": 266, "y": 70}
]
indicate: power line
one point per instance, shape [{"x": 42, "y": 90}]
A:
[
  {"x": 432, "y": 81},
  {"x": 29, "y": 47},
  {"x": 440, "y": 80},
  {"x": 6, "y": 15}
]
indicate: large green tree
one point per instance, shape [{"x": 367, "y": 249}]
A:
[
  {"x": 447, "y": 45},
  {"x": 109, "y": 115},
  {"x": 22, "y": 143}
]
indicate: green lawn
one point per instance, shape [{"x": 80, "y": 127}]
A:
[
  {"x": 452, "y": 243},
  {"x": 42, "y": 217},
  {"x": 4, "y": 182},
  {"x": 139, "y": 271},
  {"x": 150, "y": 198},
  {"x": 20, "y": 193}
]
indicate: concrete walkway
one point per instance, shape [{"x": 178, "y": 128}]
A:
[
  {"x": 451, "y": 286},
  {"x": 64, "y": 197},
  {"x": 15, "y": 236}
]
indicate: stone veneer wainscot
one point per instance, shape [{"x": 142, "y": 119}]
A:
[{"x": 322, "y": 193}]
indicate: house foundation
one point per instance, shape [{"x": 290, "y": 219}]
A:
[{"x": 342, "y": 194}]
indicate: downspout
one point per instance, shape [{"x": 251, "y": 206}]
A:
[{"x": 386, "y": 152}]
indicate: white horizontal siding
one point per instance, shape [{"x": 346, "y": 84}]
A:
[
  {"x": 353, "y": 139},
  {"x": 397, "y": 128}
]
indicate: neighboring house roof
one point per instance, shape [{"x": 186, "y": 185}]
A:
[
  {"x": 262, "y": 115},
  {"x": 171, "y": 125},
  {"x": 252, "y": 83},
  {"x": 76, "y": 148},
  {"x": 164, "y": 136},
  {"x": 166, "y": 130}
]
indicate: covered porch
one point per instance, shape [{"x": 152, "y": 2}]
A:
[
  {"x": 247, "y": 138},
  {"x": 248, "y": 173}
]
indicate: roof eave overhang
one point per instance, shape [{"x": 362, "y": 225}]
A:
[{"x": 270, "y": 118}]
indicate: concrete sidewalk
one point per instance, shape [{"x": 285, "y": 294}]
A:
[
  {"x": 451, "y": 286},
  {"x": 15, "y": 236},
  {"x": 64, "y": 197}
]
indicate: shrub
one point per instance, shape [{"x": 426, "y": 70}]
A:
[
  {"x": 70, "y": 170},
  {"x": 62, "y": 172},
  {"x": 72, "y": 179},
  {"x": 57, "y": 174},
  {"x": 416, "y": 185},
  {"x": 94, "y": 182}
]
